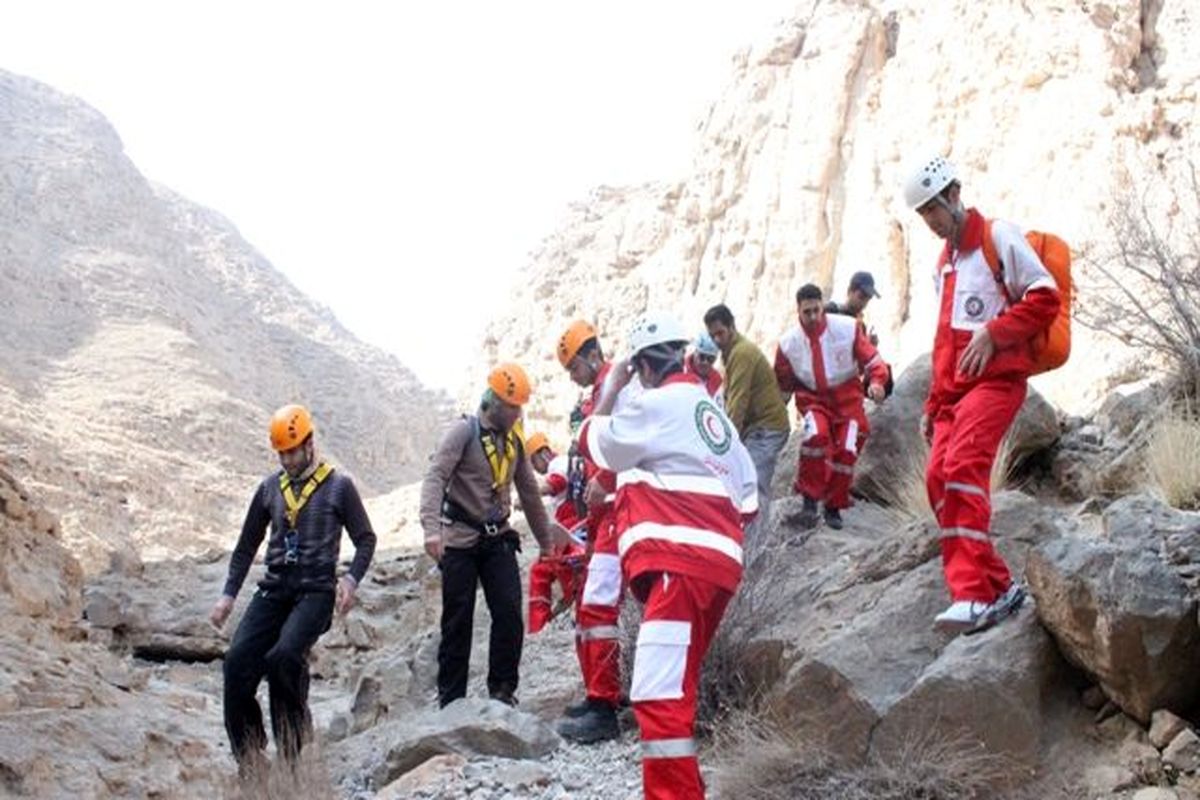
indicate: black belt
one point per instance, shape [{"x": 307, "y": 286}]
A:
[{"x": 455, "y": 513}]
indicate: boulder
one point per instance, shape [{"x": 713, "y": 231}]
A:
[
  {"x": 469, "y": 727},
  {"x": 1121, "y": 614},
  {"x": 895, "y": 437},
  {"x": 986, "y": 689}
]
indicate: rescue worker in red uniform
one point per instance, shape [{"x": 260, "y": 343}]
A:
[
  {"x": 598, "y": 608},
  {"x": 564, "y": 568},
  {"x": 982, "y": 357},
  {"x": 686, "y": 486},
  {"x": 554, "y": 481},
  {"x": 822, "y": 361}
]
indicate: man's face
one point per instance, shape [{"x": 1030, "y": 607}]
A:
[
  {"x": 296, "y": 460},
  {"x": 811, "y": 313},
  {"x": 704, "y": 364},
  {"x": 936, "y": 214},
  {"x": 722, "y": 334},
  {"x": 541, "y": 460},
  {"x": 582, "y": 371},
  {"x": 504, "y": 415},
  {"x": 856, "y": 301}
]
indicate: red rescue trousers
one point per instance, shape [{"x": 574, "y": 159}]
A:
[
  {"x": 828, "y": 452},
  {"x": 597, "y": 612},
  {"x": 966, "y": 437},
  {"x": 679, "y": 622}
]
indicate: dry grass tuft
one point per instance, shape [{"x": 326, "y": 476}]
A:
[
  {"x": 765, "y": 761},
  {"x": 1173, "y": 458},
  {"x": 275, "y": 780},
  {"x": 906, "y": 495}
]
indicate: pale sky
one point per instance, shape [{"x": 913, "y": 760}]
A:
[{"x": 357, "y": 144}]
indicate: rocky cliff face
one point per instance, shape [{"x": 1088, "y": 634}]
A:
[
  {"x": 1051, "y": 110},
  {"x": 145, "y": 344}
]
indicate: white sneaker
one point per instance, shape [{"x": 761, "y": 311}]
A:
[
  {"x": 1005, "y": 606},
  {"x": 963, "y": 615}
]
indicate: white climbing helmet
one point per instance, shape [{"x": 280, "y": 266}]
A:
[
  {"x": 928, "y": 177},
  {"x": 655, "y": 328}
]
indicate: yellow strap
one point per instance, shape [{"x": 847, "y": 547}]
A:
[
  {"x": 502, "y": 463},
  {"x": 293, "y": 504}
]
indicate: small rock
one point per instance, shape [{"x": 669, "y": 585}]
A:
[
  {"x": 1183, "y": 752},
  {"x": 522, "y": 775},
  {"x": 1154, "y": 793},
  {"x": 1164, "y": 727},
  {"x": 432, "y": 775},
  {"x": 1109, "y": 779}
]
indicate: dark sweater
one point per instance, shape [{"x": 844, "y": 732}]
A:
[{"x": 333, "y": 506}]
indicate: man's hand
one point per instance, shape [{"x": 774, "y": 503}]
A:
[
  {"x": 346, "y": 589},
  {"x": 979, "y": 352},
  {"x": 560, "y": 538},
  {"x": 927, "y": 428},
  {"x": 595, "y": 494},
  {"x": 434, "y": 548},
  {"x": 876, "y": 392},
  {"x": 220, "y": 611}
]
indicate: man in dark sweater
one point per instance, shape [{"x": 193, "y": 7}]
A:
[{"x": 306, "y": 504}]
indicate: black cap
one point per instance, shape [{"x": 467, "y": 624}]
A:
[{"x": 864, "y": 282}]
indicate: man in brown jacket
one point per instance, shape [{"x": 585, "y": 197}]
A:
[{"x": 465, "y": 506}]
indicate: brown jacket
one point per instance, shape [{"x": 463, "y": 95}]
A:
[{"x": 459, "y": 465}]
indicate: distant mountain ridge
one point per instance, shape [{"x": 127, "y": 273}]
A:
[{"x": 145, "y": 343}]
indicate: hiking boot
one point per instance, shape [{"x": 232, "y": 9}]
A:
[
  {"x": 504, "y": 696},
  {"x": 597, "y": 724},
  {"x": 806, "y": 518},
  {"x": 1005, "y": 606},
  {"x": 961, "y": 616},
  {"x": 582, "y": 707},
  {"x": 833, "y": 518}
]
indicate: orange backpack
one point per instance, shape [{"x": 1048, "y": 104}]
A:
[{"x": 1052, "y": 347}]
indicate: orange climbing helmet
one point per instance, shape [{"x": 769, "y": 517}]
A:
[
  {"x": 536, "y": 442},
  {"x": 510, "y": 384},
  {"x": 290, "y": 426},
  {"x": 577, "y": 334}
]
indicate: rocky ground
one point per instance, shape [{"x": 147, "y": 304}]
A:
[{"x": 110, "y": 686}]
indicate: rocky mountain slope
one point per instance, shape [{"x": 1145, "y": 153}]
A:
[
  {"x": 145, "y": 343},
  {"x": 1052, "y": 111}
]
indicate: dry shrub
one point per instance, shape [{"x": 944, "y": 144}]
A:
[
  {"x": 738, "y": 668},
  {"x": 275, "y": 780},
  {"x": 905, "y": 495},
  {"x": 1148, "y": 280},
  {"x": 762, "y": 760},
  {"x": 1005, "y": 465},
  {"x": 1173, "y": 458}
]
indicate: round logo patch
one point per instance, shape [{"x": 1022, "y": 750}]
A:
[
  {"x": 974, "y": 307},
  {"x": 713, "y": 428}
]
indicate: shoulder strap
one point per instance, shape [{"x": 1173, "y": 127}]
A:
[
  {"x": 992, "y": 257},
  {"x": 295, "y": 504}
]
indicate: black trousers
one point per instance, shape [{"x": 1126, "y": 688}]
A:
[
  {"x": 274, "y": 637},
  {"x": 493, "y": 563}
]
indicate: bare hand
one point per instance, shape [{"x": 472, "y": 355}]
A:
[
  {"x": 220, "y": 611},
  {"x": 595, "y": 494},
  {"x": 560, "y": 538},
  {"x": 978, "y": 353},
  {"x": 435, "y": 548},
  {"x": 346, "y": 589},
  {"x": 875, "y": 392},
  {"x": 927, "y": 428}
]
